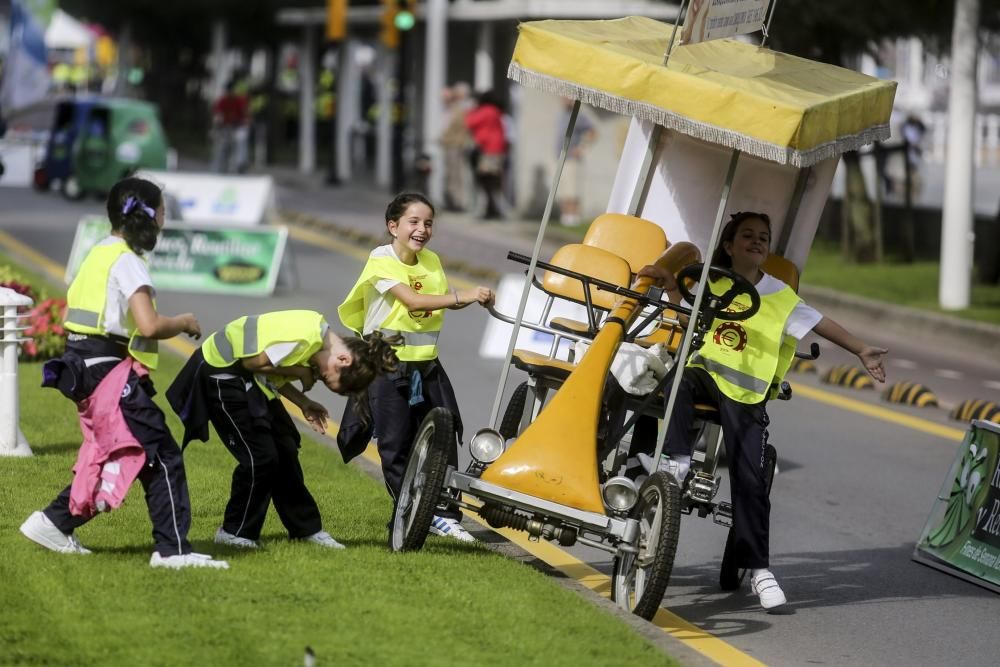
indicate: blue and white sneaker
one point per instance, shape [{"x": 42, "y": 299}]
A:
[{"x": 450, "y": 528}]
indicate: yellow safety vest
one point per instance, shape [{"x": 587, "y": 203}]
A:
[
  {"x": 420, "y": 329},
  {"x": 746, "y": 358},
  {"x": 250, "y": 335},
  {"x": 87, "y": 299}
]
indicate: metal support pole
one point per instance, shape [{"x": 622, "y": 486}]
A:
[
  {"x": 682, "y": 356},
  {"x": 307, "y": 101},
  {"x": 793, "y": 211},
  {"x": 435, "y": 69},
  {"x": 494, "y": 413}
]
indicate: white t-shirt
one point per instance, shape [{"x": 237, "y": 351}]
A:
[
  {"x": 803, "y": 317},
  {"x": 128, "y": 274}
]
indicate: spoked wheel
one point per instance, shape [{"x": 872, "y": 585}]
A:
[
  {"x": 422, "y": 481},
  {"x": 510, "y": 426},
  {"x": 730, "y": 576},
  {"x": 640, "y": 580}
]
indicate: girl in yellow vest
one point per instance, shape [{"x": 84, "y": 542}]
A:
[
  {"x": 233, "y": 381},
  {"x": 734, "y": 370},
  {"x": 403, "y": 291},
  {"x": 111, "y": 316}
]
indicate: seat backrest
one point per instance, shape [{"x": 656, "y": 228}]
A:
[
  {"x": 592, "y": 262},
  {"x": 783, "y": 270},
  {"x": 639, "y": 242}
]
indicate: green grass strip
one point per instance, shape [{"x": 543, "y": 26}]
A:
[{"x": 450, "y": 604}]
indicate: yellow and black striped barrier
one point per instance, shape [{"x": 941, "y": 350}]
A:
[
  {"x": 976, "y": 409},
  {"x": 910, "y": 393},
  {"x": 848, "y": 376},
  {"x": 802, "y": 365}
]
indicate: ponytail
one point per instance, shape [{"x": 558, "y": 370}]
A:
[{"x": 372, "y": 356}]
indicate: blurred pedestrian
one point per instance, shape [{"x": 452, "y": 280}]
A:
[
  {"x": 113, "y": 327},
  {"x": 914, "y": 130},
  {"x": 234, "y": 381},
  {"x": 403, "y": 289},
  {"x": 455, "y": 141},
  {"x": 230, "y": 131},
  {"x": 485, "y": 122},
  {"x": 571, "y": 183}
]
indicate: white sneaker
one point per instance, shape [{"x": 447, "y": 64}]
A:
[
  {"x": 39, "y": 529},
  {"x": 324, "y": 539},
  {"x": 179, "y": 561},
  {"x": 230, "y": 540},
  {"x": 450, "y": 528},
  {"x": 767, "y": 589}
]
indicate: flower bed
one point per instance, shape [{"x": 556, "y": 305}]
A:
[{"x": 44, "y": 320}]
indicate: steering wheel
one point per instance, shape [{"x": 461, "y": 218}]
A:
[{"x": 714, "y": 303}]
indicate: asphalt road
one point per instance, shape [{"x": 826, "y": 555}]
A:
[{"x": 851, "y": 498}]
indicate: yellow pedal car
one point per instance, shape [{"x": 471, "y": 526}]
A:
[{"x": 763, "y": 128}]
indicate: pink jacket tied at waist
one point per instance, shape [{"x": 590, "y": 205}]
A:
[{"x": 110, "y": 457}]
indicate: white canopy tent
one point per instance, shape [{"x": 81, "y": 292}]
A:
[{"x": 65, "y": 32}]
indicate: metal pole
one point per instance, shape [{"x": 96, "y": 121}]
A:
[
  {"x": 956, "y": 233},
  {"x": 793, "y": 211},
  {"x": 686, "y": 343},
  {"x": 435, "y": 69},
  {"x": 307, "y": 100},
  {"x": 767, "y": 27},
  {"x": 494, "y": 413},
  {"x": 647, "y": 168}
]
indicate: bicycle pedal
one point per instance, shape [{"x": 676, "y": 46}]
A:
[{"x": 723, "y": 514}]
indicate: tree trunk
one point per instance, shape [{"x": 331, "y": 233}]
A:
[{"x": 860, "y": 214}]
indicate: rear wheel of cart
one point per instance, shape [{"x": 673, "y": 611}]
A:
[
  {"x": 639, "y": 580},
  {"x": 71, "y": 188},
  {"x": 730, "y": 576},
  {"x": 422, "y": 481}
]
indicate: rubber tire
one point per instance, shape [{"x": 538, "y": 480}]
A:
[
  {"x": 730, "y": 576},
  {"x": 510, "y": 425},
  {"x": 71, "y": 189},
  {"x": 660, "y": 498},
  {"x": 422, "y": 482}
]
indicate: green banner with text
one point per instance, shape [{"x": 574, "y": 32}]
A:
[
  {"x": 196, "y": 258},
  {"x": 962, "y": 535}
]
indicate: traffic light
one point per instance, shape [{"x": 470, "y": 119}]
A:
[
  {"x": 397, "y": 16},
  {"x": 336, "y": 20}
]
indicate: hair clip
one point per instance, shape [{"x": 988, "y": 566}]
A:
[{"x": 132, "y": 203}]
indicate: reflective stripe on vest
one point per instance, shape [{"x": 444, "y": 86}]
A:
[
  {"x": 87, "y": 318},
  {"x": 242, "y": 338},
  {"x": 745, "y": 357},
  {"x": 414, "y": 338}
]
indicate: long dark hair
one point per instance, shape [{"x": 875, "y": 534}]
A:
[
  {"x": 397, "y": 207},
  {"x": 371, "y": 356},
  {"x": 132, "y": 206},
  {"x": 720, "y": 257}
]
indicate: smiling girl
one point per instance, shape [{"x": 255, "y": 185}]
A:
[{"x": 403, "y": 290}]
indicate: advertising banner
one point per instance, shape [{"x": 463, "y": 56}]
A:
[
  {"x": 714, "y": 19},
  {"x": 217, "y": 199},
  {"x": 191, "y": 258},
  {"x": 962, "y": 535}
]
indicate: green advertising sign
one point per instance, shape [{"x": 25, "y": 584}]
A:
[
  {"x": 962, "y": 535},
  {"x": 194, "y": 258}
]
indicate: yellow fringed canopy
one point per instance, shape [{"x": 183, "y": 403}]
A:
[{"x": 772, "y": 105}]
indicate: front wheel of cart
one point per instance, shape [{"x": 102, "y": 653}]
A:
[
  {"x": 640, "y": 580},
  {"x": 730, "y": 576},
  {"x": 422, "y": 481}
]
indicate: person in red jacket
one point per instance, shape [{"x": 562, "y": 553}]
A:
[{"x": 485, "y": 122}]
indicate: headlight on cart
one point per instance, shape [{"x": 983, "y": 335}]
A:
[
  {"x": 486, "y": 445},
  {"x": 620, "y": 494}
]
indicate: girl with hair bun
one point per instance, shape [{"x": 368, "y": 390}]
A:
[
  {"x": 403, "y": 291},
  {"x": 234, "y": 381}
]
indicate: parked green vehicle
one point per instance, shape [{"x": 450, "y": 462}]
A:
[{"x": 116, "y": 138}]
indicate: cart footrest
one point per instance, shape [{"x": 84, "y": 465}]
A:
[{"x": 722, "y": 514}]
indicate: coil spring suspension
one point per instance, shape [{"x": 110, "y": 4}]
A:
[{"x": 501, "y": 516}]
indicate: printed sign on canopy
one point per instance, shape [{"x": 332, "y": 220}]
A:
[{"x": 714, "y": 19}]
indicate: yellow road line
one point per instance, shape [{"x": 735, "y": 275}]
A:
[
  {"x": 21, "y": 250},
  {"x": 885, "y": 414}
]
